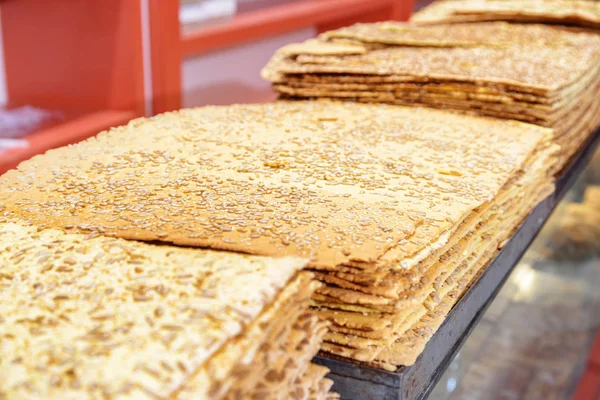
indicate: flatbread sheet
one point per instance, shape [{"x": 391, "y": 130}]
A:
[
  {"x": 335, "y": 182},
  {"x": 103, "y": 315},
  {"x": 536, "y": 64},
  {"x": 569, "y": 12}
]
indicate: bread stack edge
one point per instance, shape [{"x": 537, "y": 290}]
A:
[{"x": 396, "y": 209}]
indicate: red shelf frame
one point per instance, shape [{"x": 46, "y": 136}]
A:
[
  {"x": 589, "y": 384},
  {"x": 68, "y": 132},
  {"x": 280, "y": 19},
  {"x": 169, "y": 47}
]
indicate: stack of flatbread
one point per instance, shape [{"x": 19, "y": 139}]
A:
[
  {"x": 583, "y": 13},
  {"x": 95, "y": 317},
  {"x": 397, "y": 208},
  {"x": 546, "y": 75}
]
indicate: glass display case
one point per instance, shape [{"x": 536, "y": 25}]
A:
[{"x": 534, "y": 339}]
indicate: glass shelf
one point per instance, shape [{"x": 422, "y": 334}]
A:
[{"x": 534, "y": 339}]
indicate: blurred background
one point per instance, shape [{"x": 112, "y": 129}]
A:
[{"x": 72, "y": 68}]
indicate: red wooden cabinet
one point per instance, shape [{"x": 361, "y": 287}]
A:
[{"x": 81, "y": 58}]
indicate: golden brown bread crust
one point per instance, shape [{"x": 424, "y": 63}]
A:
[
  {"x": 523, "y": 58},
  {"x": 108, "y": 317},
  {"x": 570, "y": 12},
  {"x": 337, "y": 182},
  {"x": 392, "y": 33},
  {"x": 495, "y": 69},
  {"x": 370, "y": 193}
]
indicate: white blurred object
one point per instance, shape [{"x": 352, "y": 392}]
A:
[
  {"x": 207, "y": 10},
  {"x": 20, "y": 121},
  {"x": 7, "y": 144},
  {"x": 254, "y": 5}
]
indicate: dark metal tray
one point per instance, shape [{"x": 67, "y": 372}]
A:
[{"x": 415, "y": 382}]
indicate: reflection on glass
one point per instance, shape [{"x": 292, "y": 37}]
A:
[{"x": 524, "y": 279}]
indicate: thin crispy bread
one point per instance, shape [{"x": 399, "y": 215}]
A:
[
  {"x": 407, "y": 349},
  {"x": 393, "y": 33},
  {"x": 544, "y": 111},
  {"x": 283, "y": 359},
  {"x": 570, "y": 12},
  {"x": 535, "y": 59},
  {"x": 409, "y": 83},
  {"x": 316, "y": 47},
  {"x": 338, "y": 182},
  {"x": 570, "y": 107},
  {"x": 422, "y": 318},
  {"x": 424, "y": 322},
  {"x": 378, "y": 329},
  {"x": 358, "y": 188},
  {"x": 404, "y": 285},
  {"x": 106, "y": 316},
  {"x": 313, "y": 385},
  {"x": 485, "y": 238},
  {"x": 455, "y": 89}
]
